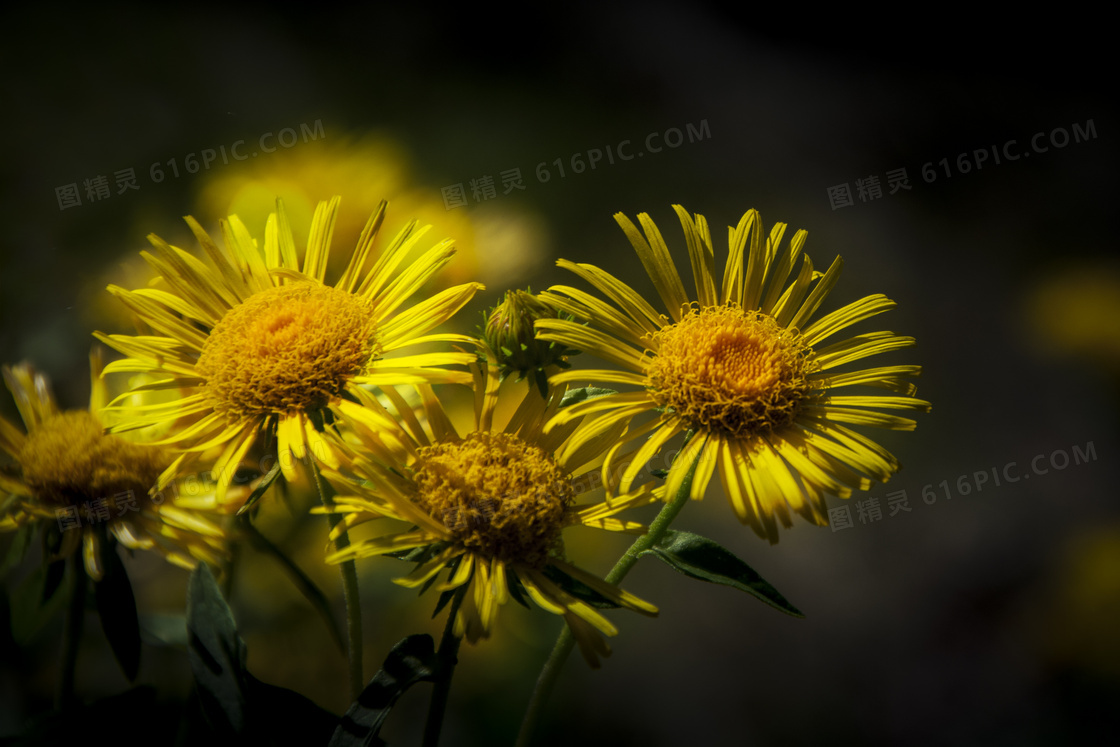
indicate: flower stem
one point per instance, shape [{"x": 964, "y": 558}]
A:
[
  {"x": 564, "y": 643},
  {"x": 349, "y": 593},
  {"x": 72, "y": 633},
  {"x": 448, "y": 658}
]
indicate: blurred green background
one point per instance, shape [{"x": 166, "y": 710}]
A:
[{"x": 987, "y": 618}]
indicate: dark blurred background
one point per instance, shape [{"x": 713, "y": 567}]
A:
[{"x": 987, "y": 618}]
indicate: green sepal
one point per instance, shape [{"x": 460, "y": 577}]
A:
[
  {"x": 411, "y": 660},
  {"x": 516, "y": 589},
  {"x": 261, "y": 489},
  {"x": 578, "y": 589},
  {"x": 116, "y": 606},
  {"x": 661, "y": 474},
  {"x": 541, "y": 378},
  {"x": 584, "y": 394},
  {"x": 321, "y": 418},
  {"x": 446, "y": 597},
  {"x": 419, "y": 555},
  {"x": 704, "y": 559}
]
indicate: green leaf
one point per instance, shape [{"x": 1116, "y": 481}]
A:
[
  {"x": 163, "y": 629},
  {"x": 18, "y": 549},
  {"x": 217, "y": 654},
  {"x": 116, "y": 605},
  {"x": 261, "y": 489},
  {"x": 584, "y": 394},
  {"x": 578, "y": 589},
  {"x": 412, "y": 660},
  {"x": 702, "y": 558},
  {"x": 236, "y": 707},
  {"x": 280, "y": 716}
]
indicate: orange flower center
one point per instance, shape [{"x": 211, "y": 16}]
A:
[
  {"x": 288, "y": 348},
  {"x": 725, "y": 369},
  {"x": 67, "y": 460}
]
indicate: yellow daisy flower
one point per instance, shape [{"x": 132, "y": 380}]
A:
[
  {"x": 489, "y": 505},
  {"x": 259, "y": 344},
  {"x": 68, "y": 470},
  {"x": 742, "y": 366}
]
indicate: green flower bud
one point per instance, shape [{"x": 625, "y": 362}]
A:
[{"x": 509, "y": 333}]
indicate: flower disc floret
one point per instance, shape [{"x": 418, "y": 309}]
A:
[
  {"x": 498, "y": 495},
  {"x": 68, "y": 460},
  {"x": 291, "y": 347},
  {"x": 734, "y": 371}
]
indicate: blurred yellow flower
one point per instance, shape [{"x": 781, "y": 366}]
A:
[
  {"x": 1073, "y": 312},
  {"x": 364, "y": 171},
  {"x": 70, "y": 472},
  {"x": 1081, "y": 602}
]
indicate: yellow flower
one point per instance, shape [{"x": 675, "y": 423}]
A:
[
  {"x": 261, "y": 346},
  {"x": 742, "y": 366},
  {"x": 364, "y": 169},
  {"x": 1072, "y": 311},
  {"x": 70, "y": 472},
  {"x": 489, "y": 505}
]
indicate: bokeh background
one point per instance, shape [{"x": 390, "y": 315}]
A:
[{"x": 986, "y": 618}]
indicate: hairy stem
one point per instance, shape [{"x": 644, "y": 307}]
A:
[
  {"x": 448, "y": 658},
  {"x": 349, "y": 592},
  {"x": 72, "y": 632},
  {"x": 546, "y": 682}
]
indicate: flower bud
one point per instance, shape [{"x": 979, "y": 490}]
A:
[{"x": 509, "y": 333}]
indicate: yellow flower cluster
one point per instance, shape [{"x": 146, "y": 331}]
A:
[{"x": 259, "y": 351}]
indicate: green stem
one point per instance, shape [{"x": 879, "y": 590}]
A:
[
  {"x": 349, "y": 592},
  {"x": 305, "y": 585},
  {"x": 448, "y": 658},
  {"x": 72, "y": 632},
  {"x": 564, "y": 643}
]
